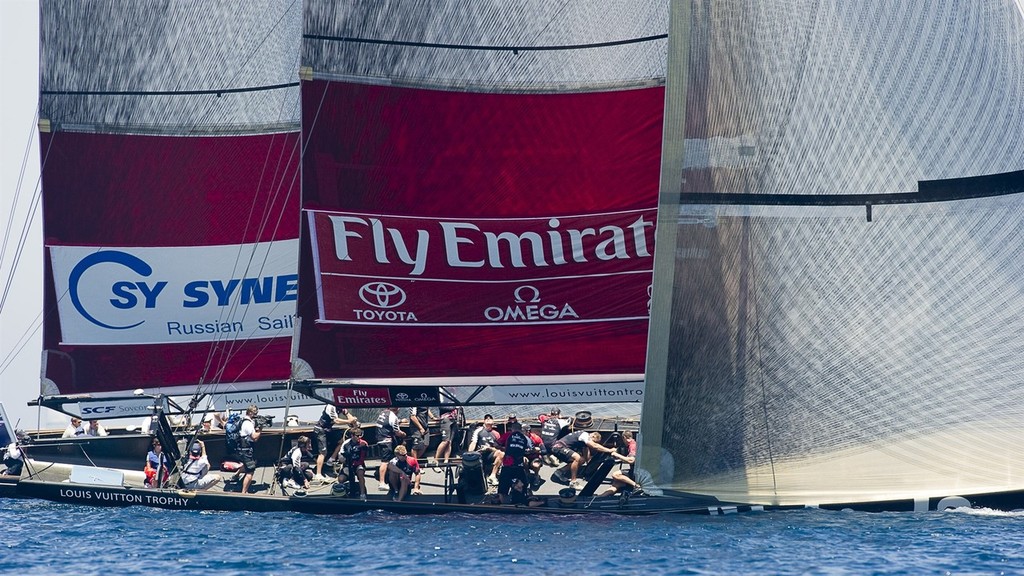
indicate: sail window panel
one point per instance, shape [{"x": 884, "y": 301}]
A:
[
  {"x": 488, "y": 46},
  {"x": 174, "y": 68},
  {"x": 864, "y": 98},
  {"x": 818, "y": 357}
]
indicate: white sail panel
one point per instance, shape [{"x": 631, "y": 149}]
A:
[
  {"x": 170, "y": 67},
  {"x": 488, "y": 45}
]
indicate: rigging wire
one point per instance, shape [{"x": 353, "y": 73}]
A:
[{"x": 27, "y": 224}]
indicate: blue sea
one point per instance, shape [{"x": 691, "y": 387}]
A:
[{"x": 45, "y": 538}]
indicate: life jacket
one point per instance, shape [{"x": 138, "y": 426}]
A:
[
  {"x": 403, "y": 464},
  {"x": 385, "y": 431},
  {"x": 325, "y": 422},
  {"x": 515, "y": 449},
  {"x": 550, "y": 431},
  {"x": 192, "y": 471}
]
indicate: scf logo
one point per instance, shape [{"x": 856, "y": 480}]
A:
[{"x": 86, "y": 410}]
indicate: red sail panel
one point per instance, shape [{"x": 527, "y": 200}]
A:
[
  {"x": 476, "y": 234},
  {"x": 165, "y": 236}
]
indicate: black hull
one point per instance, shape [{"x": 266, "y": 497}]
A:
[
  {"x": 1009, "y": 501},
  {"x": 8, "y": 486},
  {"x": 115, "y": 496},
  {"x": 674, "y": 503},
  {"x": 128, "y": 451}
]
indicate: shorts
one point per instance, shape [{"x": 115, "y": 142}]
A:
[
  {"x": 447, "y": 429},
  {"x": 321, "y": 439},
  {"x": 508, "y": 476},
  {"x": 387, "y": 451},
  {"x": 420, "y": 440},
  {"x": 564, "y": 453},
  {"x": 245, "y": 456},
  {"x": 354, "y": 468}
]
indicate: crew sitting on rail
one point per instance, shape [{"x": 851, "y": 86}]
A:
[
  {"x": 157, "y": 466},
  {"x": 196, "y": 475},
  {"x": 402, "y": 471},
  {"x": 74, "y": 429},
  {"x": 485, "y": 441},
  {"x": 294, "y": 470},
  {"x": 353, "y": 450},
  {"x": 513, "y": 471}
]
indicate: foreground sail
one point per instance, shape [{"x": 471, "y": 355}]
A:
[
  {"x": 170, "y": 193},
  {"x": 838, "y": 307},
  {"x": 479, "y": 190}
]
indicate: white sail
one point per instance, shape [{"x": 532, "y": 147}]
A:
[{"x": 838, "y": 314}]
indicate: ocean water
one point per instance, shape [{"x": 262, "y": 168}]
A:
[{"x": 45, "y": 538}]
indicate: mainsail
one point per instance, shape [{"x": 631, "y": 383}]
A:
[
  {"x": 170, "y": 193},
  {"x": 838, "y": 313},
  {"x": 479, "y": 189}
]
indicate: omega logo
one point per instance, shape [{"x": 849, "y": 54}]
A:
[{"x": 527, "y": 289}]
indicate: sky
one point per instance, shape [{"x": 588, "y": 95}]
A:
[{"x": 19, "y": 315}]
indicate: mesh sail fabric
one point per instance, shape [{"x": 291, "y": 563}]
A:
[
  {"x": 169, "y": 167},
  {"x": 180, "y": 68},
  {"x": 479, "y": 187},
  {"x": 805, "y": 353},
  {"x": 488, "y": 45},
  {"x": 816, "y": 355}
]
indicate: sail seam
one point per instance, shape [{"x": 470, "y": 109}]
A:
[
  {"x": 217, "y": 91},
  {"x": 483, "y": 47},
  {"x": 840, "y": 199}
]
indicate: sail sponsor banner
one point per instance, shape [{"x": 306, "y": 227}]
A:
[
  {"x": 610, "y": 392},
  {"x": 145, "y": 295},
  {"x": 359, "y": 397},
  {"x": 476, "y": 233},
  {"x": 377, "y": 269},
  {"x": 264, "y": 399},
  {"x": 117, "y": 408}
]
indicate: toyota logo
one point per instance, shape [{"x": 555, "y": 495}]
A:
[{"x": 382, "y": 295}]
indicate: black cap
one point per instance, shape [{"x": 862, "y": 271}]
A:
[{"x": 196, "y": 450}]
